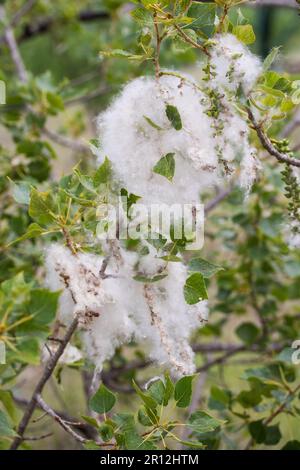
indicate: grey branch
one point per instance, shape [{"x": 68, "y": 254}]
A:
[
  {"x": 13, "y": 47},
  {"x": 267, "y": 144},
  {"x": 47, "y": 373},
  {"x": 64, "y": 424},
  {"x": 65, "y": 141}
]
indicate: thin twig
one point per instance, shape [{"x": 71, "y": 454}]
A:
[
  {"x": 13, "y": 47},
  {"x": 267, "y": 144},
  {"x": 64, "y": 424},
  {"x": 276, "y": 412},
  {"x": 190, "y": 40},
  {"x": 37, "y": 438},
  {"x": 47, "y": 373}
]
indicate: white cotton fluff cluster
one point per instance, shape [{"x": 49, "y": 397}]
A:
[
  {"x": 234, "y": 65},
  {"x": 202, "y": 156},
  {"x": 117, "y": 309}
]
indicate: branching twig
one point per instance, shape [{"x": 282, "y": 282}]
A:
[
  {"x": 48, "y": 370},
  {"x": 267, "y": 144},
  {"x": 190, "y": 40},
  {"x": 64, "y": 424},
  {"x": 276, "y": 412}
]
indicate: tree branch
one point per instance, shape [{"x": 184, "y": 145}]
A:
[
  {"x": 13, "y": 47},
  {"x": 64, "y": 424},
  {"x": 48, "y": 370},
  {"x": 267, "y": 144},
  {"x": 276, "y": 412}
]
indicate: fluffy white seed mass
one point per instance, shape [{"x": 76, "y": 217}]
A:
[
  {"x": 117, "y": 309},
  {"x": 234, "y": 65},
  {"x": 135, "y": 132}
]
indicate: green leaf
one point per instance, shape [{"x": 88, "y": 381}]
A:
[
  {"x": 174, "y": 117},
  {"x": 43, "y": 305},
  {"x": 183, "y": 391},
  {"x": 257, "y": 431},
  {"x": 169, "y": 390},
  {"x": 28, "y": 352},
  {"x": 263, "y": 434},
  {"x": 247, "y": 332},
  {"x": 157, "y": 391},
  {"x": 90, "y": 420},
  {"x": 273, "y": 435},
  {"x": 121, "y": 54},
  {"x": 148, "y": 400},
  {"x": 143, "y": 417},
  {"x": 204, "y": 267},
  {"x": 244, "y": 33},
  {"x": 291, "y": 445},
  {"x": 106, "y": 432},
  {"x": 5, "y": 428},
  {"x": 103, "y": 400},
  {"x": 270, "y": 58},
  {"x": 166, "y": 166},
  {"x": 202, "y": 422},
  {"x": 130, "y": 437},
  {"x": 34, "y": 230},
  {"x": 6, "y": 398},
  {"x": 41, "y": 206},
  {"x": 21, "y": 191},
  {"x": 152, "y": 124},
  {"x": 286, "y": 355},
  {"x": 103, "y": 174},
  {"x": 142, "y": 16},
  {"x": 86, "y": 181},
  {"x": 219, "y": 398},
  {"x": 195, "y": 289},
  {"x": 203, "y": 15}
]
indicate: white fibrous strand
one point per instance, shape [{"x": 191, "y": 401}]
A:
[{"x": 115, "y": 309}]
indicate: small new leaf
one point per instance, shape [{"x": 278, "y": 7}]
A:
[
  {"x": 183, "y": 391},
  {"x": 103, "y": 400},
  {"x": 166, "y": 166},
  {"x": 174, "y": 117},
  {"x": 195, "y": 289}
]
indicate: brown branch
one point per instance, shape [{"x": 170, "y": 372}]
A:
[
  {"x": 47, "y": 373},
  {"x": 190, "y": 40},
  {"x": 86, "y": 429},
  {"x": 267, "y": 144},
  {"x": 64, "y": 424},
  {"x": 276, "y": 412},
  {"x": 59, "y": 139},
  {"x": 37, "y": 438},
  {"x": 220, "y": 197}
]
